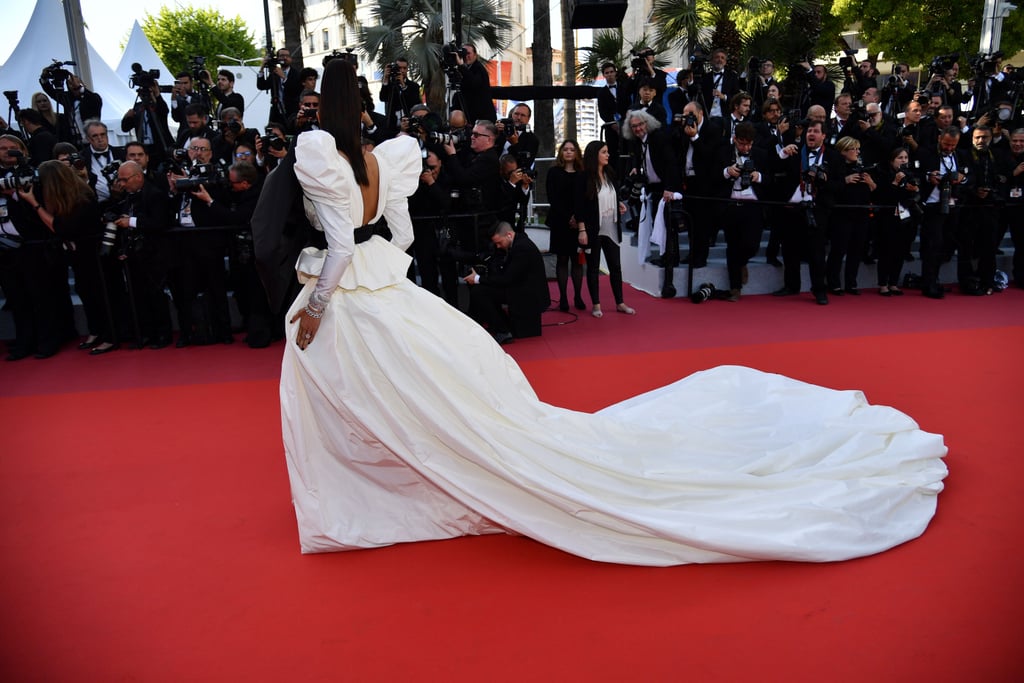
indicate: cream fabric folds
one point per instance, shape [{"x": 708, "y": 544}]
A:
[{"x": 404, "y": 421}]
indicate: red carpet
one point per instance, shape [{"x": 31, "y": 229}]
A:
[{"x": 148, "y": 533}]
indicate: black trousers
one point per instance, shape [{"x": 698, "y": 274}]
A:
[
  {"x": 934, "y": 227},
  {"x": 893, "y": 237},
  {"x": 612, "y": 258},
  {"x": 976, "y": 239},
  {"x": 504, "y": 309},
  {"x": 802, "y": 236},
  {"x": 848, "y": 231},
  {"x": 744, "y": 224},
  {"x": 202, "y": 270}
]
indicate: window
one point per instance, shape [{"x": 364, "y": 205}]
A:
[
  {"x": 327, "y": 40},
  {"x": 312, "y": 43},
  {"x": 342, "y": 38}
]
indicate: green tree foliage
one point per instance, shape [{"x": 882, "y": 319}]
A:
[
  {"x": 412, "y": 28},
  {"x": 178, "y": 34},
  {"x": 914, "y": 31}
]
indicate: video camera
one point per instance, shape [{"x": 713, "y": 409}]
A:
[
  {"x": 639, "y": 60},
  {"x": 12, "y": 99},
  {"x": 846, "y": 61},
  {"x": 56, "y": 74},
  {"x": 942, "y": 63},
  {"x": 698, "y": 62},
  {"x": 451, "y": 54},
  {"x": 348, "y": 55},
  {"x": 144, "y": 80},
  {"x": 986, "y": 64},
  {"x": 207, "y": 175}
]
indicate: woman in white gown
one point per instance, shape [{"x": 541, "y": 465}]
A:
[{"x": 403, "y": 420}]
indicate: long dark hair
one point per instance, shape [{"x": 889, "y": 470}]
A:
[
  {"x": 341, "y": 112},
  {"x": 62, "y": 190},
  {"x": 590, "y": 167}
]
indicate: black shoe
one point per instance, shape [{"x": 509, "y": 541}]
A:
[
  {"x": 158, "y": 342},
  {"x": 785, "y": 291},
  {"x": 775, "y": 262},
  {"x": 226, "y": 339},
  {"x": 100, "y": 350},
  {"x": 895, "y": 292},
  {"x": 821, "y": 298},
  {"x": 41, "y": 355},
  {"x": 86, "y": 345},
  {"x": 835, "y": 292},
  {"x": 578, "y": 303},
  {"x": 503, "y": 337},
  {"x": 887, "y": 292},
  {"x": 853, "y": 291},
  {"x": 183, "y": 341},
  {"x": 563, "y": 305},
  {"x": 934, "y": 293},
  {"x": 17, "y": 355}
]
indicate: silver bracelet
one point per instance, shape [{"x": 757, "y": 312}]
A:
[{"x": 312, "y": 313}]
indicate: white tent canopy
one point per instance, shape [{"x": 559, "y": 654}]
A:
[
  {"x": 45, "y": 39},
  {"x": 139, "y": 50}
]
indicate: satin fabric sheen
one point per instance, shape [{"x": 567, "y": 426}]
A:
[{"x": 405, "y": 421}]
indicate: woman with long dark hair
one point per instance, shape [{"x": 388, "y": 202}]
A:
[
  {"x": 897, "y": 194},
  {"x": 562, "y": 185},
  {"x": 404, "y": 420},
  {"x": 66, "y": 207},
  {"x": 597, "y": 215}
]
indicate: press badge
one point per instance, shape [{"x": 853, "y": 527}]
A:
[
  {"x": 1015, "y": 193},
  {"x": 903, "y": 212}
]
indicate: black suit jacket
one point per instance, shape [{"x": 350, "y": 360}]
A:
[
  {"x": 763, "y": 164},
  {"x": 709, "y": 138},
  {"x": 730, "y": 86},
  {"x": 40, "y": 146},
  {"x": 157, "y": 113},
  {"x": 481, "y": 173},
  {"x": 613, "y": 107},
  {"x": 292, "y": 90},
  {"x": 520, "y": 272},
  {"x": 824, "y": 189},
  {"x": 663, "y": 159},
  {"x": 476, "y": 93}
]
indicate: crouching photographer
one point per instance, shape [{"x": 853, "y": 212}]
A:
[
  {"x": 202, "y": 244},
  {"x": 511, "y": 278}
]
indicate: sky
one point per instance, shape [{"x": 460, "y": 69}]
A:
[{"x": 106, "y": 30}]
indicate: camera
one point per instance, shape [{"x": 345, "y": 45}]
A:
[
  {"x": 208, "y": 175},
  {"x": 639, "y": 60},
  {"x": 746, "y": 174},
  {"x": 698, "y": 62},
  {"x": 940, "y": 64},
  {"x": 348, "y": 55},
  {"x": 846, "y": 61},
  {"x": 704, "y": 291},
  {"x": 907, "y": 130},
  {"x": 272, "y": 141},
  {"x": 451, "y": 53},
  {"x": 816, "y": 173},
  {"x": 142, "y": 79},
  {"x": 56, "y": 74},
  {"x": 14, "y": 181},
  {"x": 110, "y": 231},
  {"x": 12, "y": 99},
  {"x": 76, "y": 161},
  {"x": 986, "y": 64},
  {"x": 524, "y": 163},
  {"x": 110, "y": 172},
  {"x": 393, "y": 71},
  {"x": 632, "y": 188},
  {"x": 688, "y": 120},
  {"x": 455, "y": 137}
]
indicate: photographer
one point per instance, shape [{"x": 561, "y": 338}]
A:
[
  {"x": 976, "y": 239},
  {"x": 224, "y": 92},
  {"x": 916, "y": 131},
  {"x": 40, "y": 140},
  {"x": 943, "y": 171},
  {"x": 374, "y": 125},
  {"x": 515, "y": 137},
  {"x": 612, "y": 105},
  {"x": 858, "y": 80},
  {"x": 848, "y": 228},
  {"x": 271, "y": 148},
  {"x": 514, "y": 279},
  {"x": 143, "y": 216},
  {"x": 100, "y": 156},
  {"x": 760, "y": 77},
  {"x": 518, "y": 182},
  {"x": 201, "y": 252},
  {"x": 306, "y": 117},
  {"x": 699, "y": 139},
  {"x": 821, "y": 90},
  {"x": 478, "y": 182},
  {"x": 80, "y": 104},
  {"x": 718, "y": 84},
  {"x": 646, "y": 99},
  {"x": 644, "y": 70},
  {"x": 148, "y": 118},
  {"x": 475, "y": 93},
  {"x": 431, "y": 200},
  {"x": 183, "y": 95},
  {"x": 236, "y": 210},
  {"x": 1013, "y": 210},
  {"x": 898, "y": 91},
  {"x": 810, "y": 186},
  {"x": 33, "y": 272},
  {"x": 197, "y": 124},
  {"x": 743, "y": 175},
  {"x": 284, "y": 83},
  {"x": 232, "y": 133},
  {"x": 398, "y": 93},
  {"x": 897, "y": 186}
]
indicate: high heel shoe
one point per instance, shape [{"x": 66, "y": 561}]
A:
[{"x": 624, "y": 308}]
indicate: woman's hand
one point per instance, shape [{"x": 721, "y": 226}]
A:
[
  {"x": 308, "y": 326},
  {"x": 28, "y": 195},
  {"x": 582, "y": 236}
]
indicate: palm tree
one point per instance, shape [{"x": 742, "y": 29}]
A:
[
  {"x": 568, "y": 68},
  {"x": 609, "y": 46},
  {"x": 293, "y": 17},
  {"x": 412, "y": 28},
  {"x": 543, "y": 115}
]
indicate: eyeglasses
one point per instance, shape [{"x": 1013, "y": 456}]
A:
[
  {"x": 242, "y": 155},
  {"x": 480, "y": 135}
]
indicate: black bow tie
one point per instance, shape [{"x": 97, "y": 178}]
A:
[{"x": 100, "y": 155}]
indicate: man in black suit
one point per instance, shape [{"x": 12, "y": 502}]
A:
[
  {"x": 80, "y": 105},
  {"x": 398, "y": 93},
  {"x": 476, "y": 87},
  {"x": 515, "y": 277},
  {"x": 612, "y": 105},
  {"x": 40, "y": 141},
  {"x": 822, "y": 91},
  {"x": 739, "y": 111},
  {"x": 718, "y": 84},
  {"x": 742, "y": 176},
  {"x": 517, "y": 139},
  {"x": 700, "y": 139},
  {"x": 809, "y": 186},
  {"x": 142, "y": 249},
  {"x": 224, "y": 92},
  {"x": 943, "y": 168},
  {"x": 646, "y": 71},
  {"x": 98, "y": 154},
  {"x": 183, "y": 95},
  {"x": 197, "y": 125},
  {"x": 148, "y": 118},
  {"x": 284, "y": 84}
]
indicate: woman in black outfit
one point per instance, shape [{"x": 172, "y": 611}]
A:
[
  {"x": 564, "y": 178},
  {"x": 897, "y": 198},
  {"x": 597, "y": 219},
  {"x": 848, "y": 228}
]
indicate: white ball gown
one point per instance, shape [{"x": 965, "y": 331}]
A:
[{"x": 405, "y": 421}]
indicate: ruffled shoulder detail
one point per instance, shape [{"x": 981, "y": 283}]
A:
[
  {"x": 401, "y": 158},
  {"x": 323, "y": 173}
]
